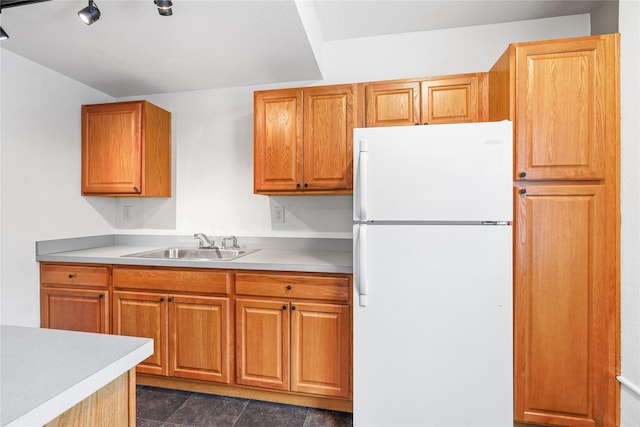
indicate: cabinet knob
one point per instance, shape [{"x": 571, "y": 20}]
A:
[
  {"x": 523, "y": 174},
  {"x": 297, "y": 185},
  {"x": 425, "y": 123},
  {"x": 306, "y": 185},
  {"x": 135, "y": 188},
  {"x": 523, "y": 191},
  {"x": 170, "y": 299},
  {"x": 161, "y": 299},
  {"x": 71, "y": 275},
  {"x": 101, "y": 296},
  {"x": 284, "y": 307},
  {"x": 417, "y": 124},
  {"x": 293, "y": 307},
  {"x": 289, "y": 287}
]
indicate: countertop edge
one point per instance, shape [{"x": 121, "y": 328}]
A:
[{"x": 60, "y": 403}]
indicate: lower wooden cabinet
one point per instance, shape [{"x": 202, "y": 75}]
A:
[
  {"x": 84, "y": 310},
  {"x": 294, "y": 344},
  {"x": 75, "y": 297},
  {"x": 191, "y": 332},
  {"x": 564, "y": 304}
]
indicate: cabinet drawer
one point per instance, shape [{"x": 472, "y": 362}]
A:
[
  {"x": 74, "y": 275},
  {"x": 174, "y": 280},
  {"x": 293, "y": 286}
]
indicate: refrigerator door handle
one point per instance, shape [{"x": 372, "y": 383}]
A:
[
  {"x": 363, "y": 284},
  {"x": 362, "y": 178}
]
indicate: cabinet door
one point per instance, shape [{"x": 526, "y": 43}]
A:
[
  {"x": 141, "y": 314},
  {"x": 199, "y": 342},
  {"x": 262, "y": 341},
  {"x": 565, "y": 93},
  {"x": 450, "y": 100},
  {"x": 112, "y": 148},
  {"x": 564, "y": 307},
  {"x": 85, "y": 310},
  {"x": 392, "y": 103},
  {"x": 277, "y": 140},
  {"x": 320, "y": 349},
  {"x": 329, "y": 120}
]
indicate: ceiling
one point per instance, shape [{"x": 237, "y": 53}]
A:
[{"x": 209, "y": 44}]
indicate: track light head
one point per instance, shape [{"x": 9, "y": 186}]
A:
[
  {"x": 3, "y": 34},
  {"x": 90, "y": 14},
  {"x": 164, "y": 7}
]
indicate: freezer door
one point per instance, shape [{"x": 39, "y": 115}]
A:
[
  {"x": 455, "y": 172},
  {"x": 433, "y": 345}
]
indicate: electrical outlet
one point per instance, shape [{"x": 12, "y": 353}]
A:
[
  {"x": 278, "y": 214},
  {"x": 127, "y": 213}
]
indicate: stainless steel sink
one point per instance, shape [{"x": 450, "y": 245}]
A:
[{"x": 212, "y": 254}]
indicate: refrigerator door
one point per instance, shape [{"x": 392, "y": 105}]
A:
[
  {"x": 433, "y": 347},
  {"x": 456, "y": 172}
]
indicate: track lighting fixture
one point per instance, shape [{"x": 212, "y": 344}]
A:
[
  {"x": 3, "y": 34},
  {"x": 90, "y": 14},
  {"x": 164, "y": 7}
]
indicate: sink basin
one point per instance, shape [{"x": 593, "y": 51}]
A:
[{"x": 213, "y": 254}]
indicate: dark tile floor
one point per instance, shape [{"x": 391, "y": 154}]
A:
[{"x": 158, "y": 407}]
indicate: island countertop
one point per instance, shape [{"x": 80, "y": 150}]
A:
[{"x": 46, "y": 371}]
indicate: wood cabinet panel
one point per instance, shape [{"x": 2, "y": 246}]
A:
[
  {"x": 199, "y": 342},
  {"x": 394, "y": 103},
  {"x": 74, "y": 275},
  {"x": 564, "y": 307},
  {"x": 126, "y": 150},
  {"x": 85, "y": 310},
  {"x": 142, "y": 314},
  {"x": 278, "y": 140},
  {"x": 303, "y": 140},
  {"x": 293, "y": 286},
  {"x": 451, "y": 100},
  {"x": 173, "y": 280},
  {"x": 320, "y": 348},
  {"x": 329, "y": 120},
  {"x": 262, "y": 339}
]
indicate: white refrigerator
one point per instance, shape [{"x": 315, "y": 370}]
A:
[{"x": 432, "y": 319}]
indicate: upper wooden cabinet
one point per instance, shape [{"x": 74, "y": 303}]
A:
[
  {"x": 303, "y": 140},
  {"x": 562, "y": 96},
  {"x": 126, "y": 150},
  {"x": 448, "y": 99}
]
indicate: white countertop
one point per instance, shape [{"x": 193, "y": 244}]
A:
[
  {"x": 304, "y": 260},
  {"x": 44, "y": 372}
]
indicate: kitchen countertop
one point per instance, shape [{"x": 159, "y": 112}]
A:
[
  {"x": 46, "y": 371},
  {"x": 303, "y": 259}
]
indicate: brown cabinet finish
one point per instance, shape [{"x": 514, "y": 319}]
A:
[
  {"x": 75, "y": 297},
  {"x": 562, "y": 306},
  {"x": 287, "y": 340},
  {"x": 126, "y": 150},
  {"x": 303, "y": 140},
  {"x": 562, "y": 96},
  {"x": 262, "y": 339},
  {"x": 447, "y": 99},
  {"x": 192, "y": 337},
  {"x": 85, "y": 310}
]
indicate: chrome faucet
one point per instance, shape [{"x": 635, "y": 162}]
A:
[
  {"x": 210, "y": 244},
  {"x": 234, "y": 241}
]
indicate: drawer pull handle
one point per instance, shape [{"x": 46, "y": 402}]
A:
[{"x": 289, "y": 287}]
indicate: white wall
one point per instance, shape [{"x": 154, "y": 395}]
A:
[
  {"x": 629, "y": 25},
  {"x": 213, "y": 150},
  {"x": 40, "y": 170}
]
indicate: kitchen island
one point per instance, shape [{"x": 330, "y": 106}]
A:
[{"x": 57, "y": 377}]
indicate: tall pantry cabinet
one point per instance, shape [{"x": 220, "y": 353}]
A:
[{"x": 563, "y": 98}]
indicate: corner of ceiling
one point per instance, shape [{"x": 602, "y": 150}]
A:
[{"x": 311, "y": 25}]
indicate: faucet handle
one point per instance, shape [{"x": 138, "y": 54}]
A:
[
  {"x": 202, "y": 238},
  {"x": 234, "y": 242}
]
